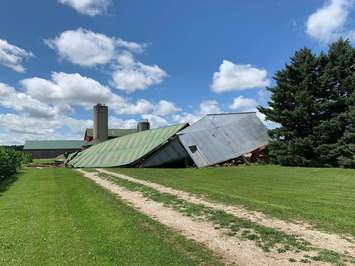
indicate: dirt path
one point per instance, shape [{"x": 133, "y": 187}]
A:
[
  {"x": 230, "y": 249},
  {"x": 316, "y": 238}
]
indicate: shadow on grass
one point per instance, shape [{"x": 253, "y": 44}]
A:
[{"x": 6, "y": 182}]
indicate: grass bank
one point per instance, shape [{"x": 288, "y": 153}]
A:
[
  {"x": 56, "y": 217},
  {"x": 322, "y": 196}
]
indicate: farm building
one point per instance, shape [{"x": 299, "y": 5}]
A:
[
  {"x": 99, "y": 133},
  {"x": 218, "y": 138},
  {"x": 129, "y": 150},
  {"x": 214, "y": 139},
  {"x": 44, "y": 149}
]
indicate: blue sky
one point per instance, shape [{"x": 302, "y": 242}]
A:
[{"x": 166, "y": 61}]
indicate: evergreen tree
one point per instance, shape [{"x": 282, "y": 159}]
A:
[
  {"x": 337, "y": 84},
  {"x": 346, "y": 146},
  {"x": 314, "y": 104},
  {"x": 293, "y": 106}
]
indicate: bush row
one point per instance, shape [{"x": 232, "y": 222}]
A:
[{"x": 11, "y": 161}]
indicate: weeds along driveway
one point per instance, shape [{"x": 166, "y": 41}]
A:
[
  {"x": 54, "y": 216},
  {"x": 236, "y": 240},
  {"x": 322, "y": 240}
]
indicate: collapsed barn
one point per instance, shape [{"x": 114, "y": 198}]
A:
[{"x": 214, "y": 139}]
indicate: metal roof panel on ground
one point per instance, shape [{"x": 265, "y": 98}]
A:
[
  {"x": 125, "y": 150},
  {"x": 53, "y": 144},
  {"x": 222, "y": 137}
]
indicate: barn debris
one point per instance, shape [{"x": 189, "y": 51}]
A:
[
  {"x": 218, "y": 138},
  {"x": 129, "y": 150}
]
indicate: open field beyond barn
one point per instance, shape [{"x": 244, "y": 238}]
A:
[
  {"x": 325, "y": 197},
  {"x": 56, "y": 217}
]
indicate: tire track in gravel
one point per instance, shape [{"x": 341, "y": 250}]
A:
[
  {"x": 230, "y": 249},
  {"x": 318, "y": 239}
]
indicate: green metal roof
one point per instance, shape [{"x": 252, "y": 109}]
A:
[
  {"x": 112, "y": 132},
  {"x": 53, "y": 144},
  {"x": 125, "y": 150}
]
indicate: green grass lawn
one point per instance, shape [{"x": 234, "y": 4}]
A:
[
  {"x": 324, "y": 197},
  {"x": 56, "y": 217},
  {"x": 52, "y": 160}
]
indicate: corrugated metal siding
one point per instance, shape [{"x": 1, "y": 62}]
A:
[
  {"x": 53, "y": 144},
  {"x": 223, "y": 137},
  {"x": 125, "y": 150},
  {"x": 171, "y": 153},
  {"x": 48, "y": 154}
]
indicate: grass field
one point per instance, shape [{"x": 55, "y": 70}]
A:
[
  {"x": 324, "y": 197},
  {"x": 44, "y": 160},
  {"x": 56, "y": 217}
]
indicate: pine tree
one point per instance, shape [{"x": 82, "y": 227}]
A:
[
  {"x": 337, "y": 84},
  {"x": 293, "y": 106},
  {"x": 314, "y": 103}
]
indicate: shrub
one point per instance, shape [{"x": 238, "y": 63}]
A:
[
  {"x": 10, "y": 162},
  {"x": 26, "y": 158}
]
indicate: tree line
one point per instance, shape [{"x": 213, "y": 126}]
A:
[{"x": 313, "y": 102}]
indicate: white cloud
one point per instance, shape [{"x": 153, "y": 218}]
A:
[
  {"x": 166, "y": 108},
  {"x": 206, "y": 107},
  {"x": 131, "y": 75},
  {"x": 155, "y": 120},
  {"x": 327, "y": 23},
  {"x": 72, "y": 89},
  {"x": 131, "y": 46},
  {"x": 25, "y": 124},
  {"x": 115, "y": 122},
  {"x": 77, "y": 90},
  {"x": 17, "y": 128},
  {"x": 77, "y": 126},
  {"x": 21, "y": 102},
  {"x": 209, "y": 107},
  {"x": 243, "y": 104},
  {"x": 186, "y": 118},
  {"x": 43, "y": 108},
  {"x": 87, "y": 48},
  {"x": 141, "y": 106},
  {"x": 12, "y": 56},
  {"x": 84, "y": 47},
  {"x": 236, "y": 77},
  {"x": 88, "y": 7},
  {"x": 6, "y": 90}
]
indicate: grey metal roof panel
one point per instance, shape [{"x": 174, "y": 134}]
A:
[
  {"x": 218, "y": 138},
  {"x": 217, "y": 120}
]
